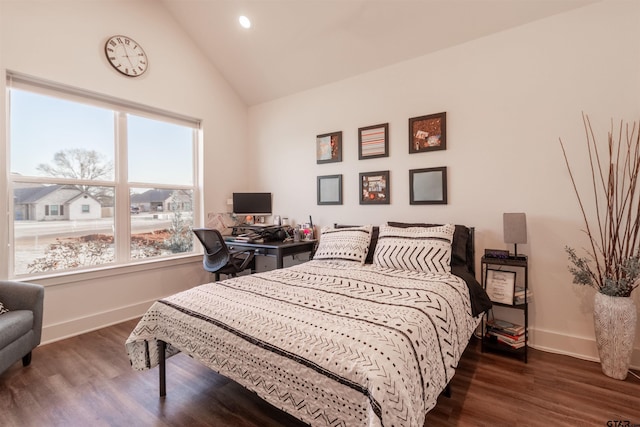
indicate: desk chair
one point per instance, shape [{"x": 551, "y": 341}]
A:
[{"x": 219, "y": 259}]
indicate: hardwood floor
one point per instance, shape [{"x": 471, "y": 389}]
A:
[{"x": 87, "y": 381}]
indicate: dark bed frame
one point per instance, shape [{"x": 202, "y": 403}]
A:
[{"x": 162, "y": 345}]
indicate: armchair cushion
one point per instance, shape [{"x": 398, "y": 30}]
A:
[{"x": 14, "y": 325}]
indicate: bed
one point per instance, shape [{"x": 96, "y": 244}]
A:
[{"x": 367, "y": 333}]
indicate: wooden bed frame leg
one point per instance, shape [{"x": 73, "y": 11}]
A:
[
  {"x": 447, "y": 391},
  {"x": 162, "y": 366}
]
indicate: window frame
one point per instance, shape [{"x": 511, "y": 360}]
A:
[{"x": 121, "y": 186}]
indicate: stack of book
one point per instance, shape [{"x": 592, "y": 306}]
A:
[
  {"x": 518, "y": 295},
  {"x": 507, "y": 333}
]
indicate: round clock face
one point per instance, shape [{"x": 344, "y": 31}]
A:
[{"x": 126, "y": 56}]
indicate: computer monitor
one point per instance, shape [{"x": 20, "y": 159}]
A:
[{"x": 255, "y": 204}]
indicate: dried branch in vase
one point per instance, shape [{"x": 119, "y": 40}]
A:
[{"x": 613, "y": 229}]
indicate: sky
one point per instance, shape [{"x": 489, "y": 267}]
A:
[{"x": 159, "y": 152}]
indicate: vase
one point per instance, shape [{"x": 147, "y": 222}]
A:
[{"x": 615, "y": 325}]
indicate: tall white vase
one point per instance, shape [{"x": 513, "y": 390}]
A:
[{"x": 615, "y": 324}]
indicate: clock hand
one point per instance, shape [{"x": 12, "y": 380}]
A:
[{"x": 126, "y": 55}]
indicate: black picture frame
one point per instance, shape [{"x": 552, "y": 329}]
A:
[
  {"x": 428, "y": 133},
  {"x": 329, "y": 147},
  {"x": 373, "y": 141},
  {"x": 428, "y": 186},
  {"x": 330, "y": 190},
  {"x": 374, "y": 188}
]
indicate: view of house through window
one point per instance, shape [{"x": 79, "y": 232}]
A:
[
  {"x": 70, "y": 188},
  {"x": 161, "y": 221}
]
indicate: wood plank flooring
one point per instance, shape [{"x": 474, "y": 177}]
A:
[{"x": 87, "y": 381}]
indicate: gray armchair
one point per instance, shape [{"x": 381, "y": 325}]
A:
[{"x": 21, "y": 327}]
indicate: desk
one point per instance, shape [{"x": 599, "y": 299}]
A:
[{"x": 277, "y": 249}]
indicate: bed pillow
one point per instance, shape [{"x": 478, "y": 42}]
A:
[
  {"x": 415, "y": 248},
  {"x": 346, "y": 244},
  {"x": 459, "y": 255},
  {"x": 375, "y": 230},
  {"x": 3, "y": 309}
]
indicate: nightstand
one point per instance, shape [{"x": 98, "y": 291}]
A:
[{"x": 500, "y": 280}]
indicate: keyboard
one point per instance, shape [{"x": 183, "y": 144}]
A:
[{"x": 247, "y": 237}]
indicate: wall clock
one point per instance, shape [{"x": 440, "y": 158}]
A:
[{"x": 126, "y": 56}]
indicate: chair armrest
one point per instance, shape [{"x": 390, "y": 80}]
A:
[
  {"x": 21, "y": 295},
  {"x": 242, "y": 262},
  {"x": 24, "y": 296}
]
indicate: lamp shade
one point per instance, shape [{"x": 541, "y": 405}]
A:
[{"x": 515, "y": 227}]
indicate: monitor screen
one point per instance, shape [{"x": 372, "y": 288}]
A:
[{"x": 252, "y": 203}]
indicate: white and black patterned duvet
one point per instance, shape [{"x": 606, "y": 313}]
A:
[{"x": 330, "y": 343}]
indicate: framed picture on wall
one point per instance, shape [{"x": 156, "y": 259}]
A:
[
  {"x": 330, "y": 190},
  {"x": 329, "y": 147},
  {"x": 428, "y": 133},
  {"x": 428, "y": 186},
  {"x": 374, "y": 188},
  {"x": 373, "y": 141}
]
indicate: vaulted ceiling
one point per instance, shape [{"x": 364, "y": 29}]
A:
[{"x": 295, "y": 45}]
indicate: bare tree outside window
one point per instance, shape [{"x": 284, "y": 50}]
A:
[
  {"x": 81, "y": 164},
  {"x": 78, "y": 163}
]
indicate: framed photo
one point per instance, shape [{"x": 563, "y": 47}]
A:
[
  {"x": 330, "y": 190},
  {"x": 373, "y": 141},
  {"x": 500, "y": 285},
  {"x": 428, "y": 186},
  {"x": 374, "y": 188},
  {"x": 329, "y": 148},
  {"x": 428, "y": 133}
]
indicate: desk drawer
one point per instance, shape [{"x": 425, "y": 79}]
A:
[{"x": 267, "y": 263}]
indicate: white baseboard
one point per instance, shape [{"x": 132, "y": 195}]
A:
[
  {"x": 575, "y": 346},
  {"x": 81, "y": 325}
]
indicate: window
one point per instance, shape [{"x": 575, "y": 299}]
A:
[{"x": 82, "y": 165}]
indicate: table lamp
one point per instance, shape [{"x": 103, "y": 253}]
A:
[{"x": 515, "y": 229}]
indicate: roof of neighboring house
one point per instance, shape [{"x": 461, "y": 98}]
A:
[
  {"x": 33, "y": 194},
  {"x": 151, "y": 196},
  {"x": 81, "y": 195}
]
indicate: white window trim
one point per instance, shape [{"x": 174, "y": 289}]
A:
[
  {"x": 122, "y": 262},
  {"x": 57, "y": 278}
]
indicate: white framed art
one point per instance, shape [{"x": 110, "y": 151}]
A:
[{"x": 500, "y": 285}]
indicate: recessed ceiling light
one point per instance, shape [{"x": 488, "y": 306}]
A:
[{"x": 244, "y": 21}]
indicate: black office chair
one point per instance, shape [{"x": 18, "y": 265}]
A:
[{"x": 219, "y": 259}]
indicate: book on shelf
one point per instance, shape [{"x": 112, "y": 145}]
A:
[
  {"x": 512, "y": 345},
  {"x": 518, "y": 295},
  {"x": 506, "y": 338},
  {"x": 504, "y": 326}
]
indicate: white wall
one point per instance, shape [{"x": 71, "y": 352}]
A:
[
  {"x": 508, "y": 98},
  {"x": 63, "y": 41}
]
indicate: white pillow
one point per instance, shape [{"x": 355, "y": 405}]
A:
[
  {"x": 425, "y": 249},
  {"x": 348, "y": 244},
  {"x": 3, "y": 309}
]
